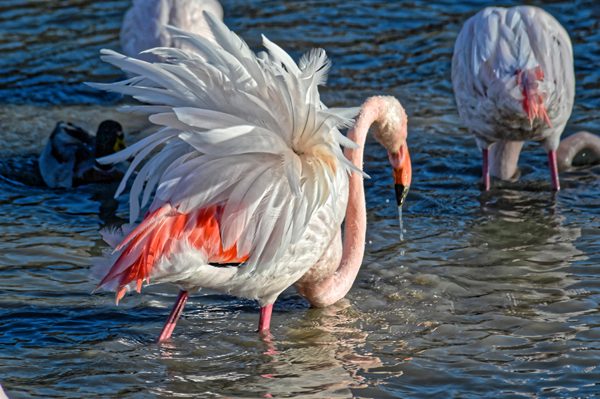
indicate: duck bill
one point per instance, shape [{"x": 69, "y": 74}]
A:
[
  {"x": 119, "y": 143},
  {"x": 402, "y": 168}
]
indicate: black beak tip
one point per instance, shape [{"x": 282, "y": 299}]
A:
[{"x": 401, "y": 192}]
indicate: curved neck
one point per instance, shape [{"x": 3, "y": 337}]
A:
[
  {"x": 336, "y": 286},
  {"x": 575, "y": 144},
  {"x": 504, "y": 158}
]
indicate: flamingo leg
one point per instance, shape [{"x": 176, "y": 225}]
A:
[
  {"x": 553, "y": 169},
  {"x": 486, "y": 169},
  {"x": 169, "y": 326},
  {"x": 264, "y": 322}
]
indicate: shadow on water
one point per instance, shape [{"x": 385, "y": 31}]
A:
[{"x": 23, "y": 172}]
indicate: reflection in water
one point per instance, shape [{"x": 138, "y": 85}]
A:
[
  {"x": 331, "y": 338},
  {"x": 500, "y": 297},
  {"x": 24, "y": 171},
  {"x": 528, "y": 248},
  {"x": 319, "y": 355}
]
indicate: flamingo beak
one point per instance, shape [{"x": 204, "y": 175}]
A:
[{"x": 402, "y": 172}]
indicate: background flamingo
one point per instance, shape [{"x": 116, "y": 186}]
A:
[
  {"x": 145, "y": 24},
  {"x": 251, "y": 183},
  {"x": 513, "y": 79}
]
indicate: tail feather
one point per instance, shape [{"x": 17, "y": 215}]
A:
[
  {"x": 158, "y": 236},
  {"x": 533, "y": 100}
]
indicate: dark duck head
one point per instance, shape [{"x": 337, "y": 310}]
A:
[
  {"x": 69, "y": 158},
  {"x": 109, "y": 139}
]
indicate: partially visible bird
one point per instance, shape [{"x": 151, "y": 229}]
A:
[
  {"x": 513, "y": 79},
  {"x": 578, "y": 150},
  {"x": 69, "y": 157},
  {"x": 144, "y": 25},
  {"x": 251, "y": 182}
]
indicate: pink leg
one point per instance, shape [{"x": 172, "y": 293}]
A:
[
  {"x": 553, "y": 170},
  {"x": 167, "y": 330},
  {"x": 486, "y": 169},
  {"x": 264, "y": 322}
]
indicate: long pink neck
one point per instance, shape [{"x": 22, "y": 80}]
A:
[
  {"x": 504, "y": 158},
  {"x": 334, "y": 287}
]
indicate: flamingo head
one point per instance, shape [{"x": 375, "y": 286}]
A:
[
  {"x": 402, "y": 167},
  {"x": 390, "y": 130}
]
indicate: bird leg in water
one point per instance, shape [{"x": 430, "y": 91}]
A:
[
  {"x": 553, "y": 169},
  {"x": 264, "y": 322},
  {"x": 486, "y": 169},
  {"x": 169, "y": 326}
]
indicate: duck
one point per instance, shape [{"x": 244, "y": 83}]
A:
[{"x": 70, "y": 156}]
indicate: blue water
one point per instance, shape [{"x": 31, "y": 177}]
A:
[{"x": 490, "y": 295}]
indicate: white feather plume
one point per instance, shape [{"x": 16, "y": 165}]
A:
[{"x": 244, "y": 132}]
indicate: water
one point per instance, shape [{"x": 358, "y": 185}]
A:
[{"x": 491, "y": 295}]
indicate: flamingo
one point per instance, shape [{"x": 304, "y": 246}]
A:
[
  {"x": 251, "y": 183},
  {"x": 513, "y": 79},
  {"x": 145, "y": 24}
]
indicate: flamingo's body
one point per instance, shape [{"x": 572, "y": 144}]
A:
[
  {"x": 145, "y": 24},
  {"x": 513, "y": 79},
  {"x": 251, "y": 183}
]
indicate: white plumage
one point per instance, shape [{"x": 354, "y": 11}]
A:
[
  {"x": 513, "y": 79},
  {"x": 145, "y": 24},
  {"x": 245, "y": 134}
]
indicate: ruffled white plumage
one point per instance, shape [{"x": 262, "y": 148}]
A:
[{"x": 247, "y": 133}]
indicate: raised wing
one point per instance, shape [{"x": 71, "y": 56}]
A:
[{"x": 247, "y": 134}]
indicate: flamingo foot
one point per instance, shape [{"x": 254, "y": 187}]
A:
[
  {"x": 264, "y": 322},
  {"x": 553, "y": 169},
  {"x": 486, "y": 169},
  {"x": 169, "y": 326}
]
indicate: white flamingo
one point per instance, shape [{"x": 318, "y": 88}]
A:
[
  {"x": 513, "y": 79},
  {"x": 251, "y": 183},
  {"x": 145, "y": 24}
]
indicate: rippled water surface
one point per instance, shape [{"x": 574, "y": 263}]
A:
[{"x": 491, "y": 295}]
